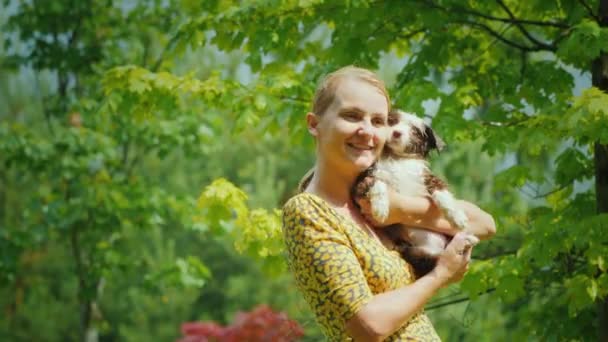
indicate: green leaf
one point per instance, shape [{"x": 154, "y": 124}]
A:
[
  {"x": 579, "y": 291},
  {"x": 192, "y": 272},
  {"x": 510, "y": 288},
  {"x": 515, "y": 176},
  {"x": 586, "y": 33}
]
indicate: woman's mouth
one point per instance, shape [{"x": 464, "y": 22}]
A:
[{"x": 360, "y": 147}]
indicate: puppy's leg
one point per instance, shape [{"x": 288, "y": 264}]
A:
[
  {"x": 444, "y": 199},
  {"x": 378, "y": 197},
  {"x": 419, "y": 247}
]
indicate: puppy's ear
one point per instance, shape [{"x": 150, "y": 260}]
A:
[
  {"x": 393, "y": 117},
  {"x": 434, "y": 141}
]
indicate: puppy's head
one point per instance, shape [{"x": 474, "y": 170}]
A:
[{"x": 409, "y": 135}]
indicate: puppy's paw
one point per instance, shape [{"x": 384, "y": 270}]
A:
[
  {"x": 379, "y": 200},
  {"x": 446, "y": 202},
  {"x": 458, "y": 218},
  {"x": 383, "y": 175}
]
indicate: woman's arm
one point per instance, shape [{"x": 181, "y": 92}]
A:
[
  {"x": 422, "y": 212},
  {"x": 388, "y": 311}
]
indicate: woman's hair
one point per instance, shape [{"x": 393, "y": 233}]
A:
[
  {"x": 305, "y": 180},
  {"x": 326, "y": 93},
  {"x": 326, "y": 90}
]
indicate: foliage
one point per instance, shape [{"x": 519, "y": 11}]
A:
[
  {"x": 261, "y": 324},
  {"x": 133, "y": 134},
  {"x": 256, "y": 232}
]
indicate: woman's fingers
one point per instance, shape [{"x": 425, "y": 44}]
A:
[
  {"x": 366, "y": 208},
  {"x": 467, "y": 254},
  {"x": 459, "y": 243},
  {"x": 365, "y": 205},
  {"x": 453, "y": 263},
  {"x": 472, "y": 239}
]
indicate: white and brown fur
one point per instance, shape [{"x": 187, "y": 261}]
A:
[{"x": 404, "y": 168}]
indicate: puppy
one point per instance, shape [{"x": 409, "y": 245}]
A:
[{"x": 403, "y": 167}]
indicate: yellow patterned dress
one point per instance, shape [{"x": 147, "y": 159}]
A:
[{"x": 339, "y": 268}]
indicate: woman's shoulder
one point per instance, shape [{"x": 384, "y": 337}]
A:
[
  {"x": 303, "y": 201},
  {"x": 308, "y": 208}
]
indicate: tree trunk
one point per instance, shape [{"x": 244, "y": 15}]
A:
[{"x": 600, "y": 80}]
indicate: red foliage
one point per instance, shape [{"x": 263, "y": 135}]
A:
[{"x": 260, "y": 324}]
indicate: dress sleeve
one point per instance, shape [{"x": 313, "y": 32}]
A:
[{"x": 325, "y": 267}]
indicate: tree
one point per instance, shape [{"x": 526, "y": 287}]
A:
[
  {"x": 99, "y": 174},
  {"x": 81, "y": 192},
  {"x": 508, "y": 79},
  {"x": 501, "y": 70}
]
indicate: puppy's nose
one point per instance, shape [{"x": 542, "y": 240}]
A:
[{"x": 396, "y": 134}]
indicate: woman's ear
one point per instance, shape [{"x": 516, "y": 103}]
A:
[{"x": 312, "y": 121}]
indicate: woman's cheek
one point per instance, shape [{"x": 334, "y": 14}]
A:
[{"x": 382, "y": 136}]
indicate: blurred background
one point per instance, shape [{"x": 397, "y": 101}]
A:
[{"x": 146, "y": 148}]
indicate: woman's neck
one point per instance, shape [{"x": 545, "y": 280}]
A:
[{"x": 332, "y": 186}]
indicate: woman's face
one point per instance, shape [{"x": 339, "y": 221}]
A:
[{"x": 352, "y": 131}]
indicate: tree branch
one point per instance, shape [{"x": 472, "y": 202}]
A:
[
  {"x": 85, "y": 313},
  {"x": 454, "y": 301},
  {"x": 497, "y": 254},
  {"x": 589, "y": 10},
  {"x": 294, "y": 99},
  {"x": 504, "y": 20},
  {"x": 504, "y": 124},
  {"x": 125, "y": 152},
  {"x": 522, "y": 70},
  {"x": 496, "y": 35},
  {"x": 144, "y": 55},
  {"x": 168, "y": 47},
  {"x": 537, "y": 196},
  {"x": 64, "y": 78},
  {"x": 411, "y": 34},
  {"x": 45, "y": 110},
  {"x": 130, "y": 167},
  {"x": 521, "y": 28}
]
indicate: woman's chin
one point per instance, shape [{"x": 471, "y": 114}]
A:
[{"x": 363, "y": 162}]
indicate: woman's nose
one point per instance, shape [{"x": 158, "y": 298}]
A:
[{"x": 366, "y": 128}]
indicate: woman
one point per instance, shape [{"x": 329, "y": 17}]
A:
[{"x": 357, "y": 287}]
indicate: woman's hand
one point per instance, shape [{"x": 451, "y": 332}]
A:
[
  {"x": 454, "y": 261},
  {"x": 390, "y": 310}
]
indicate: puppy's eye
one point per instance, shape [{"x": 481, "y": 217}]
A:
[{"x": 392, "y": 120}]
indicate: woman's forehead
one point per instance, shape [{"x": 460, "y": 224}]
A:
[{"x": 356, "y": 93}]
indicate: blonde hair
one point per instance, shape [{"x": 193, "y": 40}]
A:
[
  {"x": 326, "y": 90},
  {"x": 326, "y": 93},
  {"x": 303, "y": 184}
]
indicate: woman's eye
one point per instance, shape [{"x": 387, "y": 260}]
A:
[
  {"x": 379, "y": 122},
  {"x": 351, "y": 116}
]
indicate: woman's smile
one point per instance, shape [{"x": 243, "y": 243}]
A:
[{"x": 360, "y": 147}]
